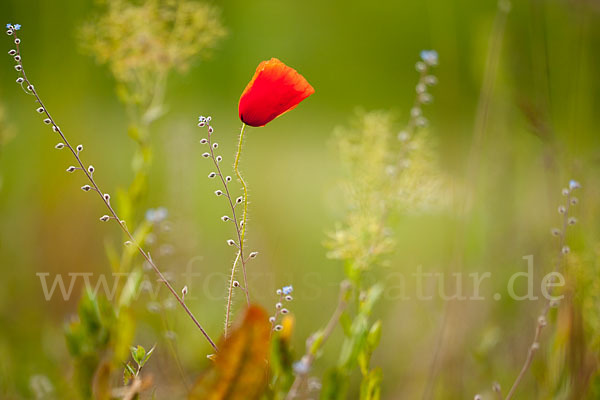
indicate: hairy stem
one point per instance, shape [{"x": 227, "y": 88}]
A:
[
  {"x": 106, "y": 200},
  {"x": 243, "y": 223},
  {"x": 239, "y": 225}
]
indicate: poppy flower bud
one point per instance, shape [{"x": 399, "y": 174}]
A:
[
  {"x": 230, "y": 242},
  {"x": 201, "y": 124},
  {"x": 79, "y": 148},
  {"x": 203, "y": 141},
  {"x": 17, "y": 41},
  {"x": 107, "y": 198},
  {"x": 55, "y": 128},
  {"x": 40, "y": 110},
  {"x": 239, "y": 200},
  {"x": 91, "y": 169},
  {"x": 219, "y": 158},
  {"x": 225, "y": 218},
  {"x": 272, "y": 320},
  {"x": 278, "y": 306},
  {"x": 420, "y": 66},
  {"x": 71, "y": 169},
  {"x": 274, "y": 89},
  {"x": 215, "y": 145},
  {"x": 574, "y": 200},
  {"x": 104, "y": 218},
  {"x": 30, "y": 88},
  {"x": 18, "y": 67},
  {"x": 555, "y": 232},
  {"x": 278, "y": 291},
  {"x": 278, "y": 328},
  {"x": 184, "y": 291},
  {"x": 218, "y": 192},
  {"x": 86, "y": 188},
  {"x": 236, "y": 284},
  {"x": 228, "y": 178},
  {"x": 208, "y": 119},
  {"x": 253, "y": 254},
  {"x": 212, "y": 175},
  {"x": 20, "y": 80},
  {"x": 284, "y": 311},
  {"x": 205, "y": 155},
  {"x": 566, "y": 250},
  {"x": 9, "y": 32},
  {"x": 210, "y": 130},
  {"x": 562, "y": 209},
  {"x": 565, "y": 192},
  {"x": 542, "y": 321},
  {"x": 12, "y": 52},
  {"x": 17, "y": 58},
  {"x": 420, "y": 88},
  {"x": 59, "y": 146},
  {"x": 289, "y": 298},
  {"x": 47, "y": 121},
  {"x": 128, "y": 243}
]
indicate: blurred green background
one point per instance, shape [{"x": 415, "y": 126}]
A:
[{"x": 542, "y": 130}]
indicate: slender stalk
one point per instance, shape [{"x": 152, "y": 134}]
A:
[
  {"x": 243, "y": 223},
  {"x": 105, "y": 198},
  {"x": 541, "y": 321},
  {"x": 311, "y": 352},
  {"x": 239, "y": 225}
]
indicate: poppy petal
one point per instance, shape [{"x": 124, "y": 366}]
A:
[{"x": 274, "y": 89}]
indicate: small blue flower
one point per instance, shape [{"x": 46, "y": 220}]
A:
[
  {"x": 573, "y": 184},
  {"x": 287, "y": 290},
  {"x": 430, "y": 57},
  {"x": 17, "y": 27},
  {"x": 301, "y": 367},
  {"x": 8, "y": 26},
  {"x": 156, "y": 215}
]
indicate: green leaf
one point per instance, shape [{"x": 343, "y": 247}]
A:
[
  {"x": 128, "y": 373},
  {"x": 370, "y": 388},
  {"x": 148, "y": 354},
  {"x": 374, "y": 336},
  {"x": 138, "y": 353}
]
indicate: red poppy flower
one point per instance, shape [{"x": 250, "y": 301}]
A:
[{"x": 274, "y": 89}]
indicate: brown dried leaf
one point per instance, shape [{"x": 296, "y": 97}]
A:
[{"x": 240, "y": 367}]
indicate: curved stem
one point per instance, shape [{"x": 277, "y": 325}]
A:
[
  {"x": 243, "y": 223},
  {"x": 106, "y": 201}
]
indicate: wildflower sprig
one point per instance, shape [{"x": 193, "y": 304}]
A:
[
  {"x": 285, "y": 295},
  {"x": 429, "y": 60},
  {"x": 89, "y": 173},
  {"x": 238, "y": 220},
  {"x": 563, "y": 250}
]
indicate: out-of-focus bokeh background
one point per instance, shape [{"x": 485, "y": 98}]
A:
[{"x": 514, "y": 118}]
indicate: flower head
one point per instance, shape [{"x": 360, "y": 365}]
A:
[
  {"x": 274, "y": 89},
  {"x": 287, "y": 290},
  {"x": 17, "y": 27},
  {"x": 573, "y": 184},
  {"x": 8, "y": 26},
  {"x": 430, "y": 57}
]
